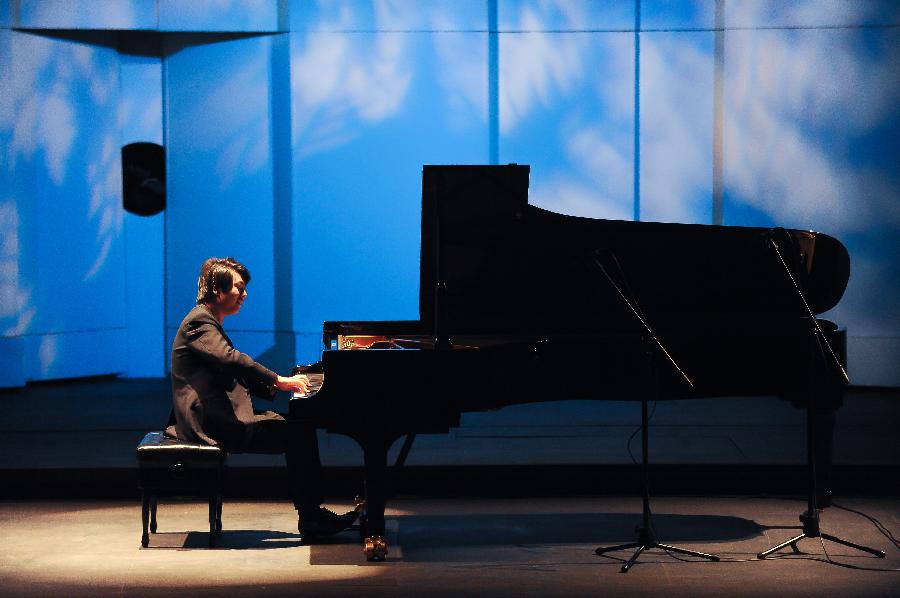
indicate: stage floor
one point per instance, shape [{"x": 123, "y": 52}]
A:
[{"x": 439, "y": 547}]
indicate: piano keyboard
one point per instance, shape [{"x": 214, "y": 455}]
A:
[{"x": 315, "y": 383}]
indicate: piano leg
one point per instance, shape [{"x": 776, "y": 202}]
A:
[{"x": 375, "y": 454}]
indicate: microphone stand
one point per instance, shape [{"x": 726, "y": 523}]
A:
[
  {"x": 646, "y": 534},
  {"x": 810, "y": 518}
]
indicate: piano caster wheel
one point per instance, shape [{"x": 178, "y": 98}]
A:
[
  {"x": 153, "y": 527},
  {"x": 375, "y": 549},
  {"x": 145, "y": 541}
]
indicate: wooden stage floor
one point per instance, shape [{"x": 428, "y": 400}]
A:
[{"x": 441, "y": 547}]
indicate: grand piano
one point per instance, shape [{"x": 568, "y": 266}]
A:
[{"x": 512, "y": 295}]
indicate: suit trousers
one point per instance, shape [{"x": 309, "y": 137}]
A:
[{"x": 273, "y": 434}]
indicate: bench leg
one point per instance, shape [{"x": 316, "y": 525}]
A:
[
  {"x": 153, "y": 515},
  {"x": 212, "y": 520},
  {"x": 218, "y": 513},
  {"x": 145, "y": 517}
]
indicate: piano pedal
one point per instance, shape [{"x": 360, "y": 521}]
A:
[
  {"x": 359, "y": 504},
  {"x": 375, "y": 549},
  {"x": 362, "y": 512}
]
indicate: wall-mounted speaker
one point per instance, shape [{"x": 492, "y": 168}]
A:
[{"x": 144, "y": 178}]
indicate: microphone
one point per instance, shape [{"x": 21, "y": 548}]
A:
[
  {"x": 769, "y": 236},
  {"x": 598, "y": 253}
]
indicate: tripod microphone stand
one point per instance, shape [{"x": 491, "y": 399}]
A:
[
  {"x": 810, "y": 518},
  {"x": 646, "y": 534}
]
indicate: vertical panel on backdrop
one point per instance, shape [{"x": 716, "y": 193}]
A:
[
  {"x": 13, "y": 302},
  {"x": 375, "y": 95},
  {"x": 221, "y": 180},
  {"x": 66, "y": 173},
  {"x": 812, "y": 141},
  {"x": 144, "y": 197}
]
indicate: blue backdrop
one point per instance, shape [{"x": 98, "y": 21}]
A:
[{"x": 296, "y": 132}]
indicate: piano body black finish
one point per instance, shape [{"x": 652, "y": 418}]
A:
[{"x": 510, "y": 297}]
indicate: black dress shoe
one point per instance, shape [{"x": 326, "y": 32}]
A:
[{"x": 322, "y": 522}]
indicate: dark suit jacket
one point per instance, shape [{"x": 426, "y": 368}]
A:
[{"x": 212, "y": 383}]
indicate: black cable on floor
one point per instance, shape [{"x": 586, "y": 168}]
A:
[
  {"x": 638, "y": 429},
  {"x": 878, "y": 525}
]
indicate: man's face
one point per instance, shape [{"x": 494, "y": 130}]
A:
[{"x": 230, "y": 303}]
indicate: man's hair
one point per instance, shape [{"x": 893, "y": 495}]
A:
[{"x": 217, "y": 274}]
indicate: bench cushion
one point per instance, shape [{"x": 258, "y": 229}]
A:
[{"x": 159, "y": 450}]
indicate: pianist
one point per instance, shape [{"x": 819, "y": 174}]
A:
[{"x": 211, "y": 387}]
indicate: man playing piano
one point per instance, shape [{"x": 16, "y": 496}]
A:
[{"x": 211, "y": 387}]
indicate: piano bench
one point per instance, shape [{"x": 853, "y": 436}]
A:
[{"x": 171, "y": 468}]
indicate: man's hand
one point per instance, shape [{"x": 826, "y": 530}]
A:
[{"x": 298, "y": 383}]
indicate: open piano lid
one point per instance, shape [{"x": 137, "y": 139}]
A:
[{"x": 509, "y": 266}]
